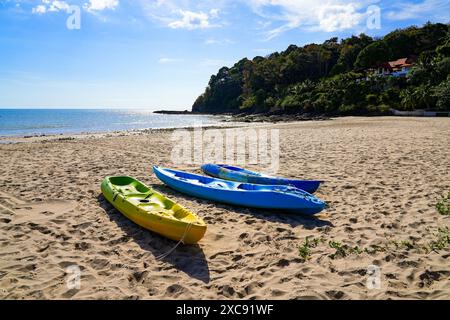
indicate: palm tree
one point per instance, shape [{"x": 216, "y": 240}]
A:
[
  {"x": 423, "y": 96},
  {"x": 408, "y": 99},
  {"x": 302, "y": 87}
]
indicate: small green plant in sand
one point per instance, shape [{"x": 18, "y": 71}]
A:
[
  {"x": 442, "y": 241},
  {"x": 343, "y": 250},
  {"x": 339, "y": 247},
  {"x": 443, "y": 205},
  {"x": 374, "y": 248},
  {"x": 407, "y": 245},
  {"x": 304, "y": 250}
]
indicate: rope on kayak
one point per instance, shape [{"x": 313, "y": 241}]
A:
[{"x": 162, "y": 256}]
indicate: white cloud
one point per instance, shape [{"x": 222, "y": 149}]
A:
[
  {"x": 50, "y": 6},
  {"x": 329, "y": 16},
  {"x": 58, "y": 5},
  {"x": 338, "y": 17},
  {"x": 99, "y": 5},
  {"x": 166, "y": 60},
  {"x": 439, "y": 9},
  {"x": 186, "y": 14},
  {"x": 212, "y": 41},
  {"x": 214, "y": 13},
  {"x": 39, "y": 9},
  {"x": 222, "y": 42},
  {"x": 194, "y": 20}
]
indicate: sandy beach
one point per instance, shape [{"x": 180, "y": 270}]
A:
[{"x": 383, "y": 177}]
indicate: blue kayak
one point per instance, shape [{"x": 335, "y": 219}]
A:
[
  {"x": 242, "y": 194},
  {"x": 243, "y": 175}
]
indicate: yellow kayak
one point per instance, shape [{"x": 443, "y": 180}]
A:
[{"x": 152, "y": 210}]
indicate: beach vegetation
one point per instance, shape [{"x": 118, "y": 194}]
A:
[
  {"x": 304, "y": 250},
  {"x": 343, "y": 250},
  {"x": 442, "y": 95},
  {"x": 440, "y": 241},
  {"x": 407, "y": 244},
  {"x": 337, "y": 77},
  {"x": 443, "y": 205},
  {"x": 374, "y": 248}
]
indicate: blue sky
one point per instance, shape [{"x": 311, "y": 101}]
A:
[{"x": 160, "y": 54}]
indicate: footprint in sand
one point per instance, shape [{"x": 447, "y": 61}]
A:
[
  {"x": 42, "y": 210},
  {"x": 19, "y": 207},
  {"x": 46, "y": 217}
]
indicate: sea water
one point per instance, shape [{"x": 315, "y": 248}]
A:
[{"x": 23, "y": 122}]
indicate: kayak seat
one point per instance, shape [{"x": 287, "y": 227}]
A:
[
  {"x": 180, "y": 214},
  {"x": 218, "y": 184},
  {"x": 131, "y": 190},
  {"x": 246, "y": 186},
  {"x": 194, "y": 181}
]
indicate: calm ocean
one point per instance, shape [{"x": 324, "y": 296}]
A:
[{"x": 20, "y": 122}]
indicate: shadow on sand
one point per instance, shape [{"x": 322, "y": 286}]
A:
[
  {"x": 291, "y": 219},
  {"x": 189, "y": 259}
]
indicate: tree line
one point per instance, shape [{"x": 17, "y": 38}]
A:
[{"x": 333, "y": 77}]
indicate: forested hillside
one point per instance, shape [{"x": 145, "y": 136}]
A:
[{"x": 336, "y": 77}]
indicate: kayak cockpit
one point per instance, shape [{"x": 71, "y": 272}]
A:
[{"x": 128, "y": 186}]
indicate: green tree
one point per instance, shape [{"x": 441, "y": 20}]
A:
[
  {"x": 401, "y": 43},
  {"x": 442, "y": 95},
  {"x": 443, "y": 68},
  {"x": 408, "y": 101},
  {"x": 424, "y": 97},
  {"x": 323, "y": 78},
  {"x": 444, "y": 50},
  {"x": 373, "y": 55}
]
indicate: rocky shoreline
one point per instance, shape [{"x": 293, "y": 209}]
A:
[
  {"x": 274, "y": 118},
  {"x": 254, "y": 117}
]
